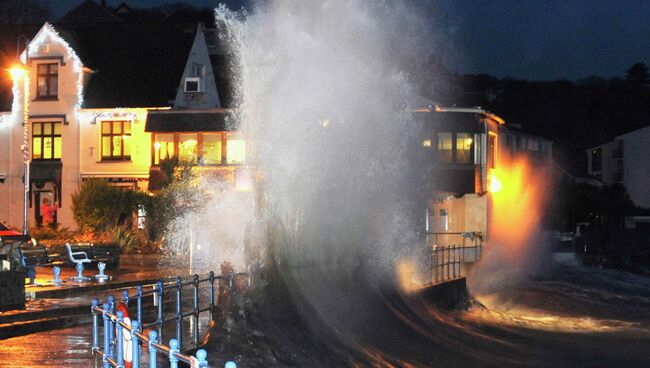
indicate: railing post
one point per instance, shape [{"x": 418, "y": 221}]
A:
[
  {"x": 211, "y": 278},
  {"x": 179, "y": 311},
  {"x": 161, "y": 319},
  {"x": 153, "y": 339},
  {"x": 110, "y": 300},
  {"x": 201, "y": 358},
  {"x": 138, "y": 293},
  {"x": 94, "y": 305},
  {"x": 135, "y": 345},
  {"x": 107, "y": 336},
  {"x": 173, "y": 349},
  {"x": 125, "y": 297},
  {"x": 448, "y": 262},
  {"x": 120, "y": 339},
  {"x": 195, "y": 329}
]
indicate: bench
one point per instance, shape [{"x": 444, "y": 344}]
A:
[
  {"x": 77, "y": 256},
  {"x": 32, "y": 256}
]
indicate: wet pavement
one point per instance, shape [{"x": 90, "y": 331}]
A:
[{"x": 69, "y": 304}]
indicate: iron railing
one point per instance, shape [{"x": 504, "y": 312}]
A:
[
  {"x": 113, "y": 322},
  {"x": 447, "y": 262}
]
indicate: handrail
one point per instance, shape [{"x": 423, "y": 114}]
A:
[
  {"x": 447, "y": 261},
  {"x": 114, "y": 324}
]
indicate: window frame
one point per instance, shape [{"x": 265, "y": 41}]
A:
[
  {"x": 48, "y": 81},
  {"x": 224, "y": 137},
  {"x": 111, "y": 135},
  {"x": 53, "y": 135}
]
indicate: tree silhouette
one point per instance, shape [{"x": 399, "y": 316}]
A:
[{"x": 637, "y": 75}]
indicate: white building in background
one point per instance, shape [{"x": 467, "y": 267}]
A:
[{"x": 624, "y": 160}]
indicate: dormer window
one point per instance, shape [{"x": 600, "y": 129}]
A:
[
  {"x": 47, "y": 81},
  {"x": 197, "y": 70}
]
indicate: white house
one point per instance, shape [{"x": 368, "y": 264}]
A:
[
  {"x": 111, "y": 100},
  {"x": 624, "y": 160}
]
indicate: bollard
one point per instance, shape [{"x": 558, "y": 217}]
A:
[
  {"x": 230, "y": 364},
  {"x": 125, "y": 297},
  {"x": 80, "y": 277},
  {"x": 153, "y": 339},
  {"x": 179, "y": 311},
  {"x": 107, "y": 336},
  {"x": 173, "y": 349},
  {"x": 56, "y": 270},
  {"x": 101, "y": 277},
  {"x": 135, "y": 343},
  {"x": 201, "y": 359},
  {"x": 94, "y": 305},
  {"x": 138, "y": 293},
  {"x": 120, "y": 339}
]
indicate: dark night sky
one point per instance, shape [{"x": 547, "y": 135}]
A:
[{"x": 531, "y": 39}]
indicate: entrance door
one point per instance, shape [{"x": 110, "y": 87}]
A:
[{"x": 41, "y": 195}]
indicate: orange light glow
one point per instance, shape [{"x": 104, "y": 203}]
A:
[
  {"x": 517, "y": 190},
  {"x": 495, "y": 184},
  {"x": 17, "y": 72}
]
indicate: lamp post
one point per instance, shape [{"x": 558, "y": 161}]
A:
[{"x": 26, "y": 150}]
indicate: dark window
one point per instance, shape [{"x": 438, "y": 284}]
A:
[
  {"x": 116, "y": 140},
  {"x": 46, "y": 140},
  {"x": 596, "y": 160},
  {"x": 47, "y": 81}
]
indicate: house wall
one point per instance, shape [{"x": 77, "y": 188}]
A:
[
  {"x": 636, "y": 166},
  {"x": 629, "y": 167},
  {"x": 90, "y": 145},
  {"x": 208, "y": 98}
]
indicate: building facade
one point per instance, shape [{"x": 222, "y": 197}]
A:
[
  {"x": 111, "y": 101},
  {"x": 624, "y": 160}
]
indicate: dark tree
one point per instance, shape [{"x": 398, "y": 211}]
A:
[
  {"x": 23, "y": 12},
  {"x": 637, "y": 75}
]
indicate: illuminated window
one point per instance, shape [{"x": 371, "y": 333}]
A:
[
  {"x": 47, "y": 80},
  {"x": 211, "y": 150},
  {"x": 492, "y": 151},
  {"x": 426, "y": 143},
  {"x": 188, "y": 147},
  {"x": 444, "y": 147},
  {"x": 444, "y": 219},
  {"x": 235, "y": 151},
  {"x": 463, "y": 147},
  {"x": 116, "y": 140},
  {"x": 46, "y": 140},
  {"x": 163, "y": 147}
]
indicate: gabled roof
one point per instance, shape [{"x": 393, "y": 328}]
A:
[
  {"x": 89, "y": 12},
  {"x": 135, "y": 65}
]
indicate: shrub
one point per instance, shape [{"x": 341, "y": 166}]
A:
[{"x": 98, "y": 206}]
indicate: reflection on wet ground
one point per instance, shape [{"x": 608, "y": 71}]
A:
[{"x": 72, "y": 347}]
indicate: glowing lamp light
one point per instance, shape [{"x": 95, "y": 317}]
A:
[
  {"x": 495, "y": 184},
  {"x": 426, "y": 143},
  {"x": 156, "y": 146},
  {"x": 17, "y": 72}
]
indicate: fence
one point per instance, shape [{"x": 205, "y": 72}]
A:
[
  {"x": 112, "y": 352},
  {"x": 447, "y": 262}
]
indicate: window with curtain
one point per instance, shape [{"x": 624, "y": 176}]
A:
[
  {"x": 445, "y": 147},
  {"x": 463, "y": 147},
  {"x": 46, "y": 140},
  {"x": 116, "y": 140}
]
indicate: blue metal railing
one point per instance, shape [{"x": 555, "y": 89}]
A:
[{"x": 113, "y": 326}]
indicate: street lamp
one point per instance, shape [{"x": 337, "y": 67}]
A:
[{"x": 18, "y": 72}]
